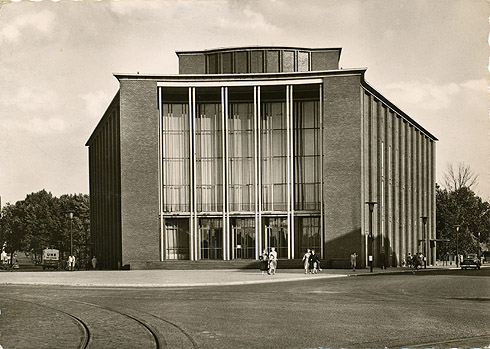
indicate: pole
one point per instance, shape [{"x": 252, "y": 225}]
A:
[
  {"x": 424, "y": 222},
  {"x": 71, "y": 233},
  {"x": 457, "y": 246},
  {"x": 371, "y": 238}
]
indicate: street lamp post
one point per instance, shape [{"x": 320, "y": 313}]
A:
[
  {"x": 371, "y": 242},
  {"x": 479, "y": 247},
  {"x": 457, "y": 245},
  {"x": 424, "y": 222},
  {"x": 70, "y": 214}
]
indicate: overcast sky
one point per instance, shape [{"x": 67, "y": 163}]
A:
[{"x": 429, "y": 57}]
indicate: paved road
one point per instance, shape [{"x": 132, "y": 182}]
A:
[{"x": 436, "y": 309}]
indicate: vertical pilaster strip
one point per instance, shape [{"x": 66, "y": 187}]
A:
[
  {"x": 291, "y": 119},
  {"x": 379, "y": 244},
  {"x": 414, "y": 190},
  {"x": 408, "y": 140},
  {"x": 420, "y": 187},
  {"x": 391, "y": 207},
  {"x": 288, "y": 167},
  {"x": 259, "y": 161},
  {"x": 433, "y": 193},
  {"x": 160, "y": 174},
  {"x": 227, "y": 177},
  {"x": 402, "y": 223},
  {"x": 396, "y": 186},
  {"x": 366, "y": 129},
  {"x": 258, "y": 247},
  {"x": 194, "y": 175},
  {"x": 191, "y": 177},
  {"x": 223, "y": 171},
  {"x": 322, "y": 175},
  {"x": 374, "y": 169}
]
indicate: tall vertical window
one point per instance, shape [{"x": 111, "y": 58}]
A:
[
  {"x": 175, "y": 150},
  {"x": 208, "y": 149},
  {"x": 177, "y": 238},
  {"x": 307, "y": 148},
  {"x": 241, "y": 149},
  {"x": 308, "y": 234},
  {"x": 274, "y": 148},
  {"x": 211, "y": 238}
]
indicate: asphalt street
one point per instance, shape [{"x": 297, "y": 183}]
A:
[{"x": 430, "y": 309}]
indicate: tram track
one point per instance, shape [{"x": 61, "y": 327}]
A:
[
  {"x": 85, "y": 334},
  {"x": 161, "y": 333},
  {"x": 160, "y": 340}
]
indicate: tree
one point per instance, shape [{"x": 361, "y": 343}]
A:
[
  {"x": 457, "y": 178},
  {"x": 461, "y": 207},
  {"x": 11, "y": 232},
  {"x": 40, "y": 221}
]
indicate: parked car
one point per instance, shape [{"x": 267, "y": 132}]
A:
[{"x": 471, "y": 261}]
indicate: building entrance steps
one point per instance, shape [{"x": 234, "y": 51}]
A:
[{"x": 207, "y": 264}]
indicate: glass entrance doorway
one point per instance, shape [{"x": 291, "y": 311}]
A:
[
  {"x": 276, "y": 235},
  {"x": 211, "y": 238},
  {"x": 177, "y": 238},
  {"x": 242, "y": 238}
]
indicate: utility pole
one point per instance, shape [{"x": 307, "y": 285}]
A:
[
  {"x": 424, "y": 222},
  {"x": 371, "y": 238}
]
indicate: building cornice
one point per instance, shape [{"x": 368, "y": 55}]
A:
[
  {"x": 397, "y": 110},
  {"x": 249, "y": 76},
  {"x": 253, "y": 48}
]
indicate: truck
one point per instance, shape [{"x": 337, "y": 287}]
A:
[{"x": 50, "y": 258}]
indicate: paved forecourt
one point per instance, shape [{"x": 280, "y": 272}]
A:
[{"x": 176, "y": 278}]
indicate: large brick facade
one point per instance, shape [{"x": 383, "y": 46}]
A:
[{"x": 370, "y": 151}]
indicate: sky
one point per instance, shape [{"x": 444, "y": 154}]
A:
[{"x": 57, "y": 60}]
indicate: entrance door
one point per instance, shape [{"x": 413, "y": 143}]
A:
[
  {"x": 277, "y": 237},
  {"x": 176, "y": 238},
  {"x": 211, "y": 243},
  {"x": 243, "y": 242}
]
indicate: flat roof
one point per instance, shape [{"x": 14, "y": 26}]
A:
[{"x": 251, "y": 48}]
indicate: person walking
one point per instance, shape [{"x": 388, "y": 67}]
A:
[
  {"x": 264, "y": 264},
  {"x": 94, "y": 262},
  {"x": 70, "y": 262},
  {"x": 353, "y": 261},
  {"x": 73, "y": 262},
  {"x": 306, "y": 261},
  {"x": 314, "y": 262},
  {"x": 272, "y": 261}
]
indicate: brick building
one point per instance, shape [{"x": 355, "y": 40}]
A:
[{"x": 256, "y": 147}]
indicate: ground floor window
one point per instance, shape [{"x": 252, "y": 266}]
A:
[
  {"x": 221, "y": 238},
  {"x": 276, "y": 235},
  {"x": 308, "y": 234},
  {"x": 177, "y": 238},
  {"x": 243, "y": 238},
  {"x": 211, "y": 238}
]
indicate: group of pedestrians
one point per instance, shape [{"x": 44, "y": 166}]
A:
[
  {"x": 71, "y": 263},
  {"x": 415, "y": 260},
  {"x": 268, "y": 261},
  {"x": 311, "y": 262}
]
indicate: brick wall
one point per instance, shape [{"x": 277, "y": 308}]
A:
[
  {"x": 139, "y": 170},
  {"x": 325, "y": 60},
  {"x": 342, "y": 167}
]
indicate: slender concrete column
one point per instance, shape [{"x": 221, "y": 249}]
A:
[
  {"x": 433, "y": 213},
  {"x": 396, "y": 187},
  {"x": 374, "y": 165},
  {"x": 403, "y": 196},
  {"x": 408, "y": 168},
  {"x": 389, "y": 187}
]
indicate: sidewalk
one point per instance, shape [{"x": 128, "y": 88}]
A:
[{"x": 181, "y": 278}]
